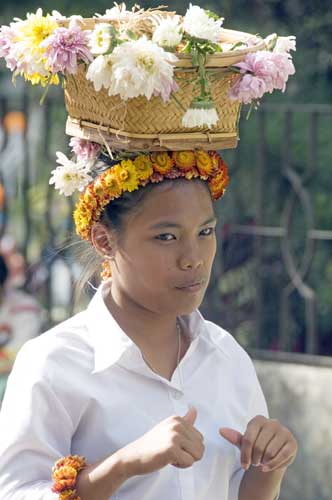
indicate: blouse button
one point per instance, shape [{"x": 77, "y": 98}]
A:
[{"x": 177, "y": 395}]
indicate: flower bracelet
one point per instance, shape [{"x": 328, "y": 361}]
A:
[{"x": 64, "y": 475}]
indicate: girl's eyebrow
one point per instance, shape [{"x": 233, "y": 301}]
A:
[{"x": 174, "y": 224}]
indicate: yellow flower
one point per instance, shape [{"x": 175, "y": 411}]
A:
[
  {"x": 36, "y": 78},
  {"x": 184, "y": 160},
  {"x": 68, "y": 495},
  {"x": 162, "y": 162},
  {"x": 34, "y": 30},
  {"x": 125, "y": 173},
  {"x": 204, "y": 162},
  {"x": 143, "y": 165}
]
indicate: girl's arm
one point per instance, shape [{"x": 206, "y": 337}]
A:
[{"x": 257, "y": 485}]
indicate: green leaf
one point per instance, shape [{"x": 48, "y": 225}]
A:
[{"x": 212, "y": 15}]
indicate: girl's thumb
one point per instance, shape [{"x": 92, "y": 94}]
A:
[{"x": 191, "y": 415}]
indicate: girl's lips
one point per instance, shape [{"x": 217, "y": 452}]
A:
[{"x": 192, "y": 288}]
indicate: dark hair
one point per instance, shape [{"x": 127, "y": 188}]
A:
[{"x": 4, "y": 272}]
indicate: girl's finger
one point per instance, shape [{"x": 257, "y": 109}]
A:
[
  {"x": 183, "y": 460},
  {"x": 194, "y": 447},
  {"x": 192, "y": 433},
  {"x": 273, "y": 448},
  {"x": 249, "y": 439},
  {"x": 285, "y": 454},
  {"x": 263, "y": 441}
]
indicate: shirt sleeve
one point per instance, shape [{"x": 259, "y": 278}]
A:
[
  {"x": 35, "y": 431},
  {"x": 257, "y": 406}
]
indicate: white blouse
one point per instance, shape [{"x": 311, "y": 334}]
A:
[{"x": 84, "y": 388}]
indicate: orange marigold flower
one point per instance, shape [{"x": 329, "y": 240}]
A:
[
  {"x": 204, "y": 162},
  {"x": 219, "y": 183},
  {"x": 125, "y": 173},
  {"x": 69, "y": 495},
  {"x": 162, "y": 162},
  {"x": 184, "y": 160},
  {"x": 143, "y": 165}
]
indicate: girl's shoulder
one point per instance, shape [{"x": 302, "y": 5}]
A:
[
  {"x": 228, "y": 345},
  {"x": 64, "y": 348}
]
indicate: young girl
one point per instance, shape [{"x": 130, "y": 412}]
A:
[{"x": 140, "y": 395}]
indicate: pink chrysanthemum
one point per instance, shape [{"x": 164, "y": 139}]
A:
[
  {"x": 84, "y": 150},
  {"x": 248, "y": 88},
  {"x": 65, "y": 47},
  {"x": 263, "y": 71},
  {"x": 6, "y": 40},
  {"x": 284, "y": 67}
]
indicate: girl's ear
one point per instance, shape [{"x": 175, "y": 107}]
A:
[{"x": 102, "y": 240}]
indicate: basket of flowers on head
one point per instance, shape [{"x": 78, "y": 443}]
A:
[{"x": 149, "y": 79}]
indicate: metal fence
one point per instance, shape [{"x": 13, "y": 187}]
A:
[{"x": 271, "y": 283}]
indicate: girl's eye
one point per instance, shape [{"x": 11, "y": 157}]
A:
[
  {"x": 164, "y": 237},
  {"x": 208, "y": 231},
  {"x": 169, "y": 237}
]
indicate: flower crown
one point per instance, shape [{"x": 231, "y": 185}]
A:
[
  {"x": 133, "y": 53},
  {"x": 129, "y": 174}
]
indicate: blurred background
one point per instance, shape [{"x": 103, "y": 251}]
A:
[{"x": 272, "y": 278}]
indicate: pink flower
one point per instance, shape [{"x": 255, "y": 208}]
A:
[
  {"x": 174, "y": 174},
  {"x": 156, "y": 177},
  {"x": 247, "y": 89},
  {"x": 7, "y": 36},
  {"x": 84, "y": 150},
  {"x": 166, "y": 90},
  {"x": 284, "y": 67},
  {"x": 263, "y": 71},
  {"x": 65, "y": 47},
  {"x": 259, "y": 64}
]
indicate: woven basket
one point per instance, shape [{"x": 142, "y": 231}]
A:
[{"x": 139, "y": 123}]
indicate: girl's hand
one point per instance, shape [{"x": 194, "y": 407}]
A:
[
  {"x": 266, "y": 443},
  {"x": 173, "y": 441}
]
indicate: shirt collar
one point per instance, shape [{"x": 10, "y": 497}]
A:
[{"x": 110, "y": 342}]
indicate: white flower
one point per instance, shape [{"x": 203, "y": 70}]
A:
[
  {"x": 285, "y": 44},
  {"x": 198, "y": 24},
  {"x": 168, "y": 32},
  {"x": 118, "y": 13},
  {"x": 100, "y": 38},
  {"x": 200, "y": 115},
  {"x": 70, "y": 176},
  {"x": 141, "y": 67},
  {"x": 100, "y": 72}
]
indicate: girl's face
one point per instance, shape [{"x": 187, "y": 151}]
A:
[{"x": 168, "y": 245}]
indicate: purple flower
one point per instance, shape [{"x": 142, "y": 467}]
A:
[
  {"x": 84, "y": 150},
  {"x": 7, "y": 36},
  {"x": 65, "y": 47}
]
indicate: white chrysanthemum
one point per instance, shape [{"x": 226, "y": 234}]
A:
[
  {"x": 198, "y": 24},
  {"x": 200, "y": 115},
  {"x": 70, "y": 176},
  {"x": 168, "y": 32},
  {"x": 118, "y": 13},
  {"x": 141, "y": 67},
  {"x": 285, "y": 44},
  {"x": 100, "y": 38},
  {"x": 100, "y": 72}
]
